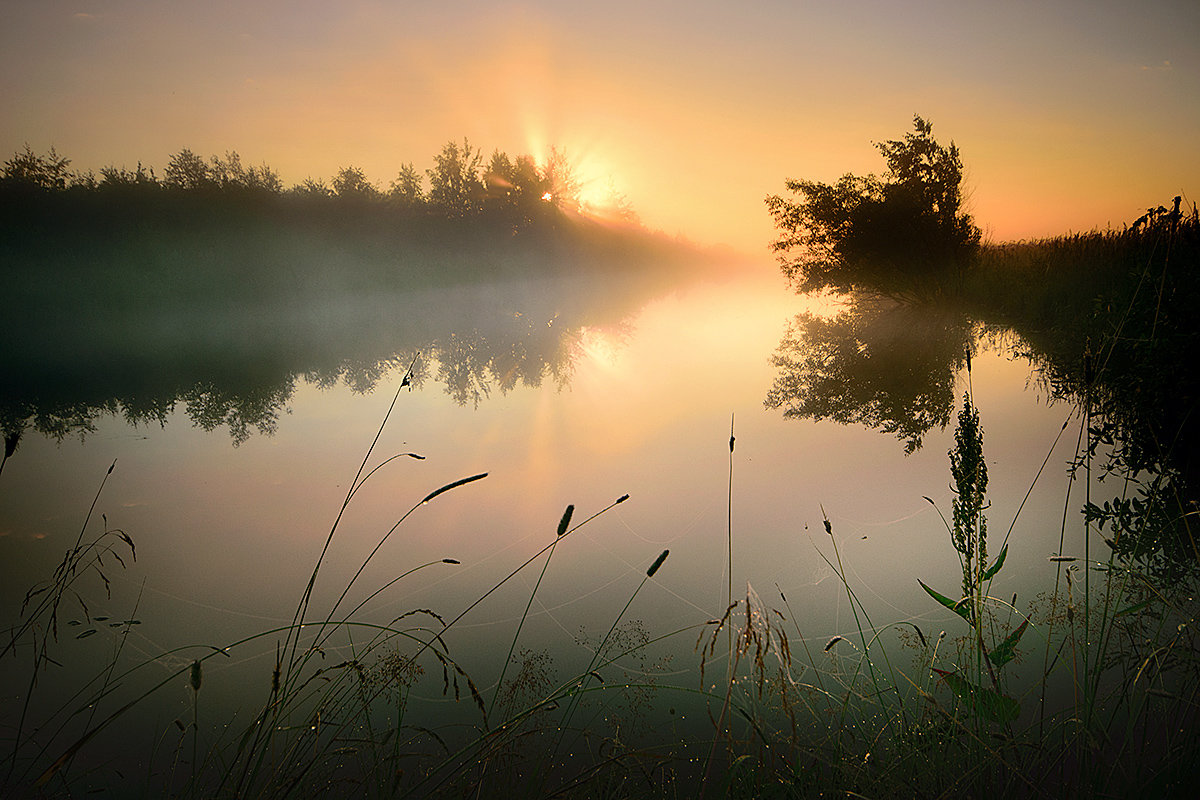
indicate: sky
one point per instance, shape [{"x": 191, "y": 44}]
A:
[{"x": 1069, "y": 116}]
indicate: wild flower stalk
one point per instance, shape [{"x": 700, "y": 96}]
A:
[{"x": 969, "y": 470}]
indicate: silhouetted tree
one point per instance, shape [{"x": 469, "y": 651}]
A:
[
  {"x": 351, "y": 182},
  {"x": 529, "y": 184},
  {"x": 904, "y": 233},
  {"x": 454, "y": 184},
  {"x": 186, "y": 170},
  {"x": 311, "y": 187},
  {"x": 28, "y": 170},
  {"x": 229, "y": 174},
  {"x": 407, "y": 189},
  {"x": 112, "y": 177},
  {"x": 498, "y": 180},
  {"x": 561, "y": 181}
]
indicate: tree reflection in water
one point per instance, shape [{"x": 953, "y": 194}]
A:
[
  {"x": 878, "y": 362},
  {"x": 239, "y": 369}
]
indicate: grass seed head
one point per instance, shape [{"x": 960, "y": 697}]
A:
[
  {"x": 658, "y": 562},
  {"x": 566, "y": 519}
]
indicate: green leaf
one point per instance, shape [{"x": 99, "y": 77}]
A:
[
  {"x": 981, "y": 701},
  {"x": 992, "y": 570},
  {"x": 961, "y": 608},
  {"x": 1007, "y": 650}
]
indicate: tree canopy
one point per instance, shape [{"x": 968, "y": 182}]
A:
[{"x": 900, "y": 234}]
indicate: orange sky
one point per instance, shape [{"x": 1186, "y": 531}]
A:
[{"x": 1069, "y": 115}]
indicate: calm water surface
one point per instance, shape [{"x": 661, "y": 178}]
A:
[{"x": 634, "y": 395}]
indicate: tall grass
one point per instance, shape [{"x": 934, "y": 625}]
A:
[
  {"x": 1110, "y": 706},
  {"x": 320, "y": 723}
]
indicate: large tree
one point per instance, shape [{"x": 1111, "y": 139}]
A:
[{"x": 904, "y": 233}]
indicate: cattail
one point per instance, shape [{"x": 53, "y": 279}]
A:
[
  {"x": 566, "y": 519},
  {"x": 621, "y": 499},
  {"x": 196, "y": 675},
  {"x": 832, "y": 642},
  {"x": 658, "y": 562},
  {"x": 455, "y": 485},
  {"x": 451, "y": 561}
]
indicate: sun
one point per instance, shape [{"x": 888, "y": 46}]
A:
[
  {"x": 584, "y": 181},
  {"x": 595, "y": 183}
]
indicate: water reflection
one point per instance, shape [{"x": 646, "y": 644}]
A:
[
  {"x": 237, "y": 367},
  {"x": 892, "y": 366},
  {"x": 878, "y": 363}
]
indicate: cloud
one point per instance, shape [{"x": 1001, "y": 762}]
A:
[{"x": 1165, "y": 66}]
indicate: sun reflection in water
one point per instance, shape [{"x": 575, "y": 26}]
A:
[{"x": 601, "y": 348}]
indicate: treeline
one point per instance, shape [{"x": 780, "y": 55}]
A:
[
  {"x": 216, "y": 229},
  {"x": 460, "y": 184}
]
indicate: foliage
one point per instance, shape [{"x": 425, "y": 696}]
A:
[
  {"x": 187, "y": 171},
  {"x": 1112, "y": 326},
  {"x": 454, "y": 183},
  {"x": 406, "y": 189},
  {"x": 351, "y": 183},
  {"x": 229, "y": 174},
  {"x": 27, "y": 170},
  {"x": 118, "y": 178},
  {"x": 903, "y": 234}
]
